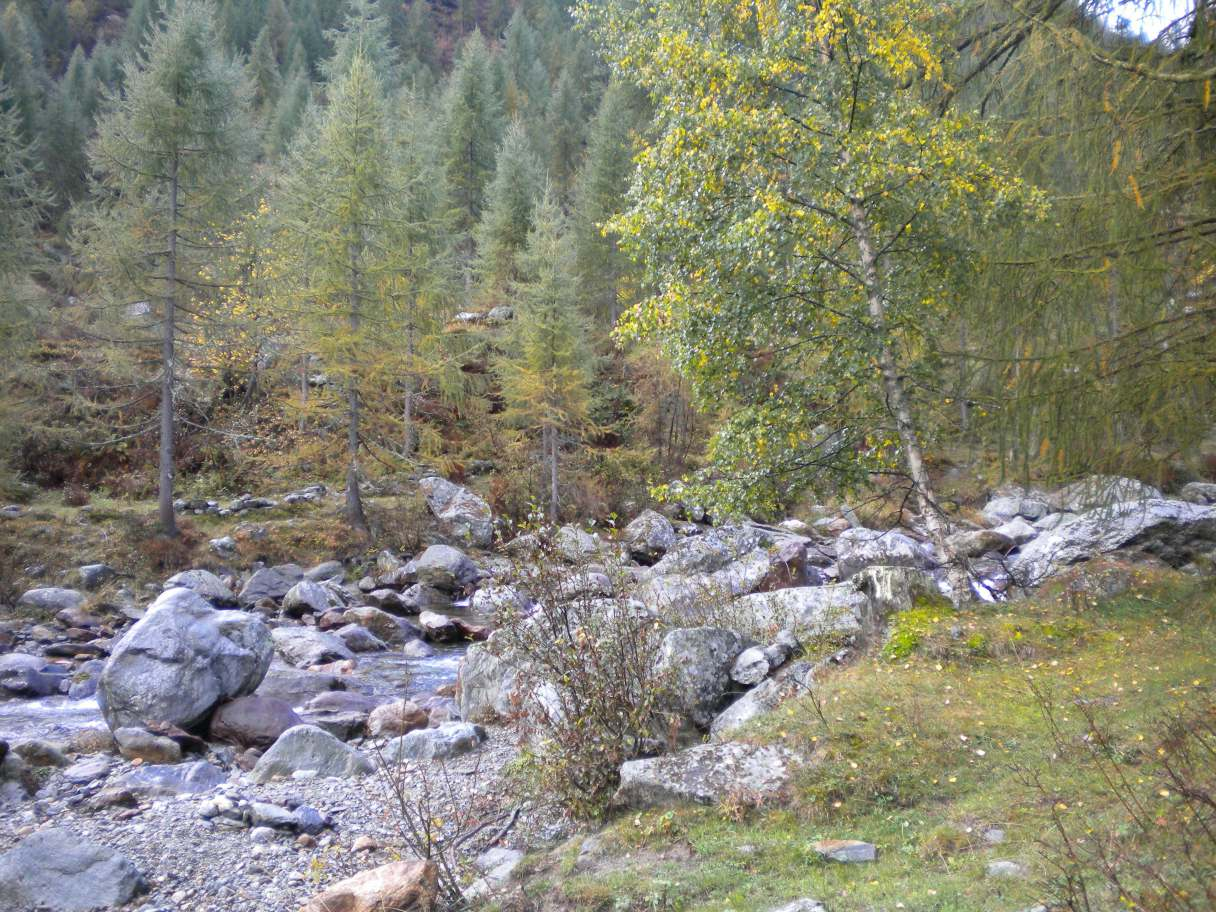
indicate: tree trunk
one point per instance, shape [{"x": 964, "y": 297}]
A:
[
  {"x": 409, "y": 439},
  {"x": 897, "y": 398},
  {"x": 553, "y": 501},
  {"x": 168, "y": 521},
  {"x": 303, "y": 389},
  {"x": 354, "y": 501}
]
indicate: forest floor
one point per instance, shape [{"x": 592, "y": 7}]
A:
[{"x": 988, "y": 735}]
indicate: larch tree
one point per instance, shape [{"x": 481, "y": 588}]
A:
[
  {"x": 337, "y": 200},
  {"x": 547, "y": 366},
  {"x": 170, "y": 156},
  {"x": 472, "y": 125},
  {"x": 798, "y": 213}
]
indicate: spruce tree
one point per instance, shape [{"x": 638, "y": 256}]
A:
[
  {"x": 600, "y": 188},
  {"x": 338, "y": 198},
  {"x": 288, "y": 114},
  {"x": 472, "y": 117},
  {"x": 64, "y": 136},
  {"x": 547, "y": 368},
  {"x": 418, "y": 35},
  {"x": 507, "y": 218},
  {"x": 264, "y": 72},
  {"x": 22, "y": 207},
  {"x": 170, "y": 158},
  {"x": 563, "y": 126},
  {"x": 365, "y": 31}
]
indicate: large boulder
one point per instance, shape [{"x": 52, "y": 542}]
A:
[
  {"x": 463, "y": 514},
  {"x": 400, "y": 886},
  {"x": 486, "y": 684},
  {"x": 707, "y": 774},
  {"x": 296, "y": 686},
  {"x": 168, "y": 779},
  {"x": 31, "y": 676},
  {"x": 577, "y": 545},
  {"x": 180, "y": 660},
  {"x": 649, "y": 536},
  {"x": 1013, "y": 504},
  {"x": 451, "y": 739},
  {"x": 857, "y": 549},
  {"x": 1097, "y": 491},
  {"x": 791, "y": 681},
  {"x": 306, "y": 747},
  {"x": 397, "y": 718},
  {"x": 55, "y": 870},
  {"x": 50, "y": 600},
  {"x": 444, "y": 567},
  {"x": 1172, "y": 530},
  {"x": 384, "y": 625},
  {"x": 306, "y": 646},
  {"x": 711, "y": 551},
  {"x": 307, "y": 597},
  {"x": 1199, "y": 492},
  {"x": 269, "y": 582},
  {"x": 253, "y": 721},
  {"x": 206, "y": 584},
  {"x": 808, "y": 610},
  {"x": 695, "y": 663}
]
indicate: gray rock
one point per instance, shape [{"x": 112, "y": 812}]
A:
[
  {"x": 91, "y": 576},
  {"x": 711, "y": 551},
  {"x": 857, "y": 549},
  {"x": 649, "y": 537},
  {"x": 1003, "y": 508},
  {"x": 444, "y": 567},
  {"x": 55, "y": 870},
  {"x": 31, "y": 676},
  {"x": 224, "y": 546},
  {"x": 384, "y": 625},
  {"x": 451, "y": 739},
  {"x": 1098, "y": 491},
  {"x": 1172, "y": 530},
  {"x": 706, "y": 774},
  {"x": 847, "y": 851},
  {"x": 807, "y": 610},
  {"x": 36, "y": 752},
  {"x": 50, "y": 599},
  {"x": 751, "y": 667},
  {"x": 802, "y": 905},
  {"x": 462, "y": 513},
  {"x": 138, "y": 744},
  {"x": 359, "y": 639},
  {"x": 306, "y": 747},
  {"x": 254, "y": 721},
  {"x": 490, "y": 600},
  {"x": 205, "y": 583},
  {"x": 181, "y": 660},
  {"x": 978, "y": 542},
  {"x": 295, "y": 686},
  {"x": 261, "y": 835},
  {"x": 305, "y": 646},
  {"x": 576, "y": 544},
  {"x": 306, "y": 596},
  {"x": 1018, "y": 531},
  {"x": 269, "y": 582},
  {"x": 309, "y": 820},
  {"x": 696, "y": 662},
  {"x": 1199, "y": 492},
  {"x": 88, "y": 770},
  {"x": 263, "y": 813},
  {"x": 1003, "y": 868},
  {"x": 164, "y": 780},
  {"x": 791, "y": 681},
  {"x": 327, "y": 570},
  {"x": 486, "y": 685},
  {"x": 421, "y": 597}
]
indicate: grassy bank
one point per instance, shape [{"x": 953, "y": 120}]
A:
[{"x": 1048, "y": 720}]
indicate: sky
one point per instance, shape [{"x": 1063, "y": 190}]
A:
[{"x": 1148, "y": 17}]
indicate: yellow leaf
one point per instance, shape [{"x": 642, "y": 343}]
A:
[
  {"x": 1114, "y": 158},
  {"x": 1131, "y": 179}
]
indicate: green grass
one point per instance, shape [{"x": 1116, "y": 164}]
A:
[{"x": 927, "y": 746}]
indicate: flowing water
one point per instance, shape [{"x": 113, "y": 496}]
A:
[{"x": 388, "y": 673}]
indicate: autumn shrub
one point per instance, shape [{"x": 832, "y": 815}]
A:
[
  {"x": 593, "y": 698},
  {"x": 400, "y": 524},
  {"x": 1161, "y": 855}
]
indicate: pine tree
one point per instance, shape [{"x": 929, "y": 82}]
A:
[
  {"x": 547, "y": 368},
  {"x": 170, "y": 156},
  {"x": 338, "y": 198},
  {"x": 507, "y": 218}
]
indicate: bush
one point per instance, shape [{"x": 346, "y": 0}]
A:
[
  {"x": 594, "y": 700},
  {"x": 1161, "y": 857}
]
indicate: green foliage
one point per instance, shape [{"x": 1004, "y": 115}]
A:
[
  {"x": 472, "y": 117},
  {"x": 799, "y": 208},
  {"x": 507, "y": 218}
]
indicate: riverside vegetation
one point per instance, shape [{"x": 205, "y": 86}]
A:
[{"x": 692, "y": 456}]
